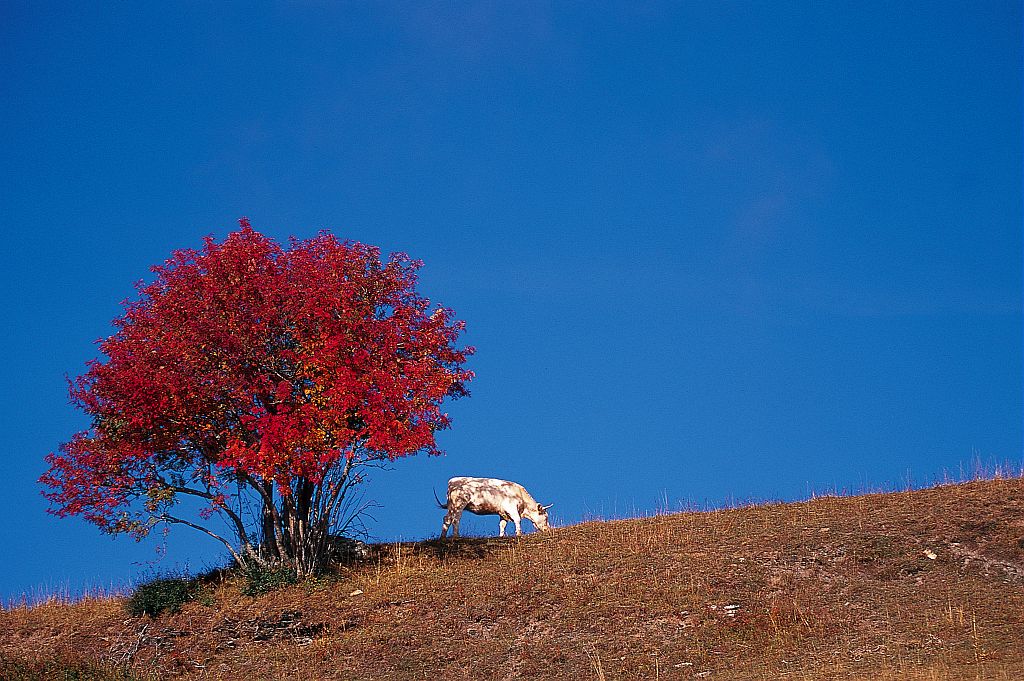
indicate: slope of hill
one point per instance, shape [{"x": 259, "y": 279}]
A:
[{"x": 925, "y": 584}]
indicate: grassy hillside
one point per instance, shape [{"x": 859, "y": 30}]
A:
[{"x": 916, "y": 585}]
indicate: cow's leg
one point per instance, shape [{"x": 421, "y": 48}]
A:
[
  {"x": 451, "y": 519},
  {"x": 514, "y": 517},
  {"x": 444, "y": 526},
  {"x": 455, "y": 522},
  {"x": 501, "y": 527}
]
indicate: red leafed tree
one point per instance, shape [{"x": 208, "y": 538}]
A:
[{"x": 255, "y": 381}]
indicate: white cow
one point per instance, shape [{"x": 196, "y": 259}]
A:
[{"x": 488, "y": 496}]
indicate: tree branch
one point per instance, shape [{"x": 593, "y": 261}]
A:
[
  {"x": 339, "y": 491},
  {"x": 268, "y": 497},
  {"x": 243, "y": 536},
  {"x": 180, "y": 521}
]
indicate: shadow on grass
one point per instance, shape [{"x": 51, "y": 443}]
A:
[{"x": 463, "y": 547}]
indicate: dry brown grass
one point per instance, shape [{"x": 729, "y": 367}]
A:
[{"x": 836, "y": 587}]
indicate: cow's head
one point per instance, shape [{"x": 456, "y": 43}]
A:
[{"x": 539, "y": 516}]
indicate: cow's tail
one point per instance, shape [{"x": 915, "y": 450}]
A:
[{"x": 444, "y": 506}]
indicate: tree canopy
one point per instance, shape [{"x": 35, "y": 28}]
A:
[{"x": 257, "y": 380}]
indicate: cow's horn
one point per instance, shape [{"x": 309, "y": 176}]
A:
[{"x": 547, "y": 507}]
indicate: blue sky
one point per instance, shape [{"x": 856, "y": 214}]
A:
[{"x": 706, "y": 251}]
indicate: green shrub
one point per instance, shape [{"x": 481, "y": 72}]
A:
[
  {"x": 163, "y": 594},
  {"x": 259, "y": 580}
]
